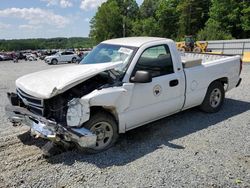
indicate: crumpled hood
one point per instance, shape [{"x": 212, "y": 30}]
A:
[{"x": 48, "y": 83}]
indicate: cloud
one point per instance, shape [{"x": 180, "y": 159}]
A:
[
  {"x": 29, "y": 26},
  {"x": 61, "y": 3},
  {"x": 91, "y": 4},
  {"x": 65, "y": 3},
  {"x": 4, "y": 26},
  {"x": 36, "y": 16}
]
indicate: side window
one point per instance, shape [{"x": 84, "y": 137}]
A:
[
  {"x": 63, "y": 53},
  {"x": 156, "y": 60},
  {"x": 68, "y": 53}
]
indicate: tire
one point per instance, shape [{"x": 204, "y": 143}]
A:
[
  {"x": 214, "y": 98},
  {"x": 54, "y": 61},
  {"x": 73, "y": 60},
  {"x": 197, "y": 50},
  {"x": 105, "y": 127},
  {"x": 182, "y": 50}
]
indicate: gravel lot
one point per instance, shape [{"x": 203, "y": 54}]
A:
[{"x": 190, "y": 149}]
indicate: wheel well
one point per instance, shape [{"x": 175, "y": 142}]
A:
[
  {"x": 223, "y": 80},
  {"x": 109, "y": 110}
]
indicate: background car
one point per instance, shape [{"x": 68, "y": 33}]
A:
[
  {"x": 5, "y": 57},
  {"x": 61, "y": 57}
]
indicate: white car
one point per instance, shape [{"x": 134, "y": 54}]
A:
[
  {"x": 122, "y": 84},
  {"x": 30, "y": 57},
  {"x": 61, "y": 57}
]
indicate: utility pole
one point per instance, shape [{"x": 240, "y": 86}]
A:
[
  {"x": 124, "y": 20},
  {"x": 124, "y": 27}
]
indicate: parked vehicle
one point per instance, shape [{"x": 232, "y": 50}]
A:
[
  {"x": 20, "y": 55},
  {"x": 30, "y": 57},
  {"x": 61, "y": 57},
  {"x": 46, "y": 53},
  {"x": 5, "y": 57},
  {"x": 1, "y": 57},
  {"x": 122, "y": 84},
  {"x": 82, "y": 55}
]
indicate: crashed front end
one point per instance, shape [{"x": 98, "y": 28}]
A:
[{"x": 33, "y": 112}]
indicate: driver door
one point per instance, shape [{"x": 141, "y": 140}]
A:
[{"x": 161, "y": 97}]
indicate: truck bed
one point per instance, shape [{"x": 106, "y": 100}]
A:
[
  {"x": 190, "y": 59},
  {"x": 202, "y": 69}
]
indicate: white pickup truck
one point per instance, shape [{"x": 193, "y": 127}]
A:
[{"x": 122, "y": 84}]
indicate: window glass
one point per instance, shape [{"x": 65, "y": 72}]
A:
[
  {"x": 109, "y": 53},
  {"x": 156, "y": 60}
]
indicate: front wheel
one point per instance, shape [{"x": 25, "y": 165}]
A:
[
  {"x": 214, "y": 98},
  {"x": 54, "y": 61},
  {"x": 105, "y": 127}
]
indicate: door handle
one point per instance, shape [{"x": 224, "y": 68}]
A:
[{"x": 173, "y": 83}]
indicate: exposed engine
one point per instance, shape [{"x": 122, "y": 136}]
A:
[{"x": 56, "y": 107}]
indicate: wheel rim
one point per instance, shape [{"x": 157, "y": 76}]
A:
[
  {"x": 104, "y": 133},
  {"x": 54, "y": 62},
  {"x": 215, "y": 98},
  {"x": 73, "y": 60}
]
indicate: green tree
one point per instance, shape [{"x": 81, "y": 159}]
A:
[
  {"x": 148, "y": 8},
  {"x": 213, "y": 31},
  {"x": 146, "y": 27},
  {"x": 245, "y": 19},
  {"x": 114, "y": 19},
  {"x": 107, "y": 23},
  {"x": 193, "y": 16},
  {"x": 167, "y": 18},
  {"x": 231, "y": 16}
]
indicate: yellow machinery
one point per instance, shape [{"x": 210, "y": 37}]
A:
[{"x": 189, "y": 45}]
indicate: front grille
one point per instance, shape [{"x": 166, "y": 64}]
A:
[{"x": 35, "y": 105}]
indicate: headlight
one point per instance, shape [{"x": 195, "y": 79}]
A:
[{"x": 77, "y": 113}]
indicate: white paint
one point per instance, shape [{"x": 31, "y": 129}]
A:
[
  {"x": 48, "y": 83},
  {"x": 61, "y": 57}
]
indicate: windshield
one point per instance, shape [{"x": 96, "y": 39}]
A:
[{"x": 108, "y": 53}]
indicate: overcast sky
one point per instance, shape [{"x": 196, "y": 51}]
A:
[{"x": 46, "y": 18}]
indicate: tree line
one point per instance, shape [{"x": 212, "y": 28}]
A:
[
  {"x": 53, "y": 43},
  {"x": 204, "y": 19}
]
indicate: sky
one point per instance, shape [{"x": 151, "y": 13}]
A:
[{"x": 21, "y": 19}]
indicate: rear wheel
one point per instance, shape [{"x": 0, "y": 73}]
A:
[
  {"x": 197, "y": 50},
  {"x": 73, "y": 60},
  {"x": 214, "y": 98},
  {"x": 105, "y": 127}
]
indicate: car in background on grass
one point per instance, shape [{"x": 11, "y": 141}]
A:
[{"x": 61, "y": 57}]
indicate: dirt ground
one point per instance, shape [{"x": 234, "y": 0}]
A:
[{"x": 189, "y": 149}]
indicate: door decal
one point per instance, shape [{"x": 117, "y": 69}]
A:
[{"x": 157, "y": 90}]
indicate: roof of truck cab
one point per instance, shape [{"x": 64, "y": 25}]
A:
[{"x": 134, "y": 41}]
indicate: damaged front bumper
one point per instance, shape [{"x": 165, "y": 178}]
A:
[{"x": 42, "y": 127}]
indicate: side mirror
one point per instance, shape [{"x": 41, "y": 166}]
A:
[{"x": 141, "y": 77}]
